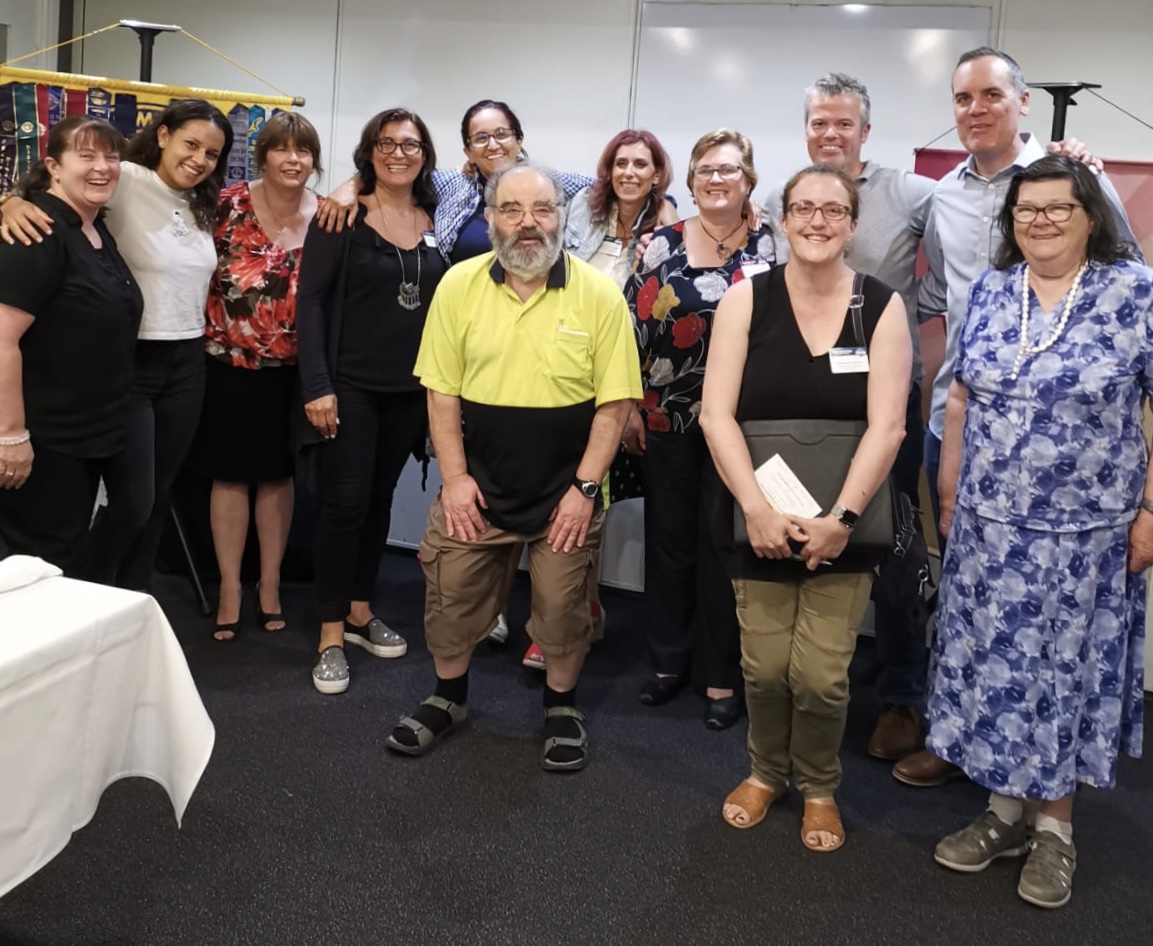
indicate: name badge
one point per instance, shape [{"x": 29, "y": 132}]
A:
[
  {"x": 848, "y": 361},
  {"x": 751, "y": 269},
  {"x": 612, "y": 246},
  {"x": 429, "y": 238}
]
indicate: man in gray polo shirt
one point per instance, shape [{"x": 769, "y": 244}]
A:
[
  {"x": 963, "y": 239},
  {"x": 894, "y": 211}
]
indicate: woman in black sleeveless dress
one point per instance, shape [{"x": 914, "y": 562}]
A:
[{"x": 783, "y": 348}]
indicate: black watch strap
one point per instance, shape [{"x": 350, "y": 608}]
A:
[
  {"x": 588, "y": 488},
  {"x": 845, "y": 517}
]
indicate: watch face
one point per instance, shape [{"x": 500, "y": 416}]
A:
[{"x": 589, "y": 489}]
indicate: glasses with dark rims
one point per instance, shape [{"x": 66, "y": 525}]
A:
[
  {"x": 806, "y": 210},
  {"x": 409, "y": 146},
  {"x": 1054, "y": 213}
]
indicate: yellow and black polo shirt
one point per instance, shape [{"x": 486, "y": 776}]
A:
[{"x": 530, "y": 376}]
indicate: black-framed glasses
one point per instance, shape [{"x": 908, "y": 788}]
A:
[
  {"x": 500, "y": 135},
  {"x": 1054, "y": 213},
  {"x": 727, "y": 172},
  {"x": 409, "y": 146},
  {"x": 806, "y": 210},
  {"x": 515, "y": 213}
]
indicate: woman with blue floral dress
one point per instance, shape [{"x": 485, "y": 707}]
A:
[
  {"x": 673, "y": 294},
  {"x": 1048, "y": 507}
]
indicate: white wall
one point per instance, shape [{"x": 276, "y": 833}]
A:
[
  {"x": 566, "y": 67},
  {"x": 32, "y": 25}
]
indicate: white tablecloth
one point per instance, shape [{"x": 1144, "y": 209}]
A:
[{"x": 93, "y": 687}]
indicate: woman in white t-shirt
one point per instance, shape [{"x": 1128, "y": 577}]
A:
[{"x": 162, "y": 217}]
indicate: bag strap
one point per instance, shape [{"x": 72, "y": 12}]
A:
[{"x": 856, "y": 307}]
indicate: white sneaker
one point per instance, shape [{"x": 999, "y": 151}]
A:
[{"x": 499, "y": 632}]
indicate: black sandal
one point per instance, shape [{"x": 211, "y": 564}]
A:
[
  {"x": 233, "y": 629},
  {"x": 264, "y": 619}
]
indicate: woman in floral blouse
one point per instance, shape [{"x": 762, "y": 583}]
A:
[
  {"x": 685, "y": 271},
  {"x": 251, "y": 372}
]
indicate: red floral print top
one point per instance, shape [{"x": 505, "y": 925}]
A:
[
  {"x": 251, "y": 310},
  {"x": 672, "y": 306}
]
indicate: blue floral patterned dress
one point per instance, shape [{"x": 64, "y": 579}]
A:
[{"x": 1038, "y": 665}]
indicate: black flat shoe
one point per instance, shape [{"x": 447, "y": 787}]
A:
[
  {"x": 657, "y": 691},
  {"x": 723, "y": 713}
]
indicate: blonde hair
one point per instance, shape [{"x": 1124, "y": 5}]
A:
[{"x": 724, "y": 136}]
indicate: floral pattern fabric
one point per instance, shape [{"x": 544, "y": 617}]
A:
[
  {"x": 251, "y": 310},
  {"x": 672, "y": 305},
  {"x": 1038, "y": 662}
]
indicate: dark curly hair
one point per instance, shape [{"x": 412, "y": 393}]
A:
[
  {"x": 422, "y": 190},
  {"x": 144, "y": 149}
]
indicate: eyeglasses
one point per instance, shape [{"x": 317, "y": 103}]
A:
[
  {"x": 409, "y": 146},
  {"x": 728, "y": 172},
  {"x": 501, "y": 135},
  {"x": 1054, "y": 213},
  {"x": 806, "y": 210},
  {"x": 515, "y": 213}
]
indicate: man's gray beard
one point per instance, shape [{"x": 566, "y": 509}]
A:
[{"x": 527, "y": 262}]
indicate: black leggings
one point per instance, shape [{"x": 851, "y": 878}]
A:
[
  {"x": 49, "y": 515},
  {"x": 359, "y": 469},
  {"x": 164, "y": 410}
]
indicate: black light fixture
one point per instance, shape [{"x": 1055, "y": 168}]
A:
[
  {"x": 1062, "y": 93},
  {"x": 146, "y": 33}
]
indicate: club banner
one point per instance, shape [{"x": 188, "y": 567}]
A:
[{"x": 32, "y": 101}]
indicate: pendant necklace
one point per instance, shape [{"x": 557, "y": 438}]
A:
[
  {"x": 1024, "y": 349},
  {"x": 723, "y": 251},
  {"x": 409, "y": 295},
  {"x": 276, "y": 220}
]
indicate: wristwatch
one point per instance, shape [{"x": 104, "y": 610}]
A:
[
  {"x": 845, "y": 517},
  {"x": 588, "y": 488}
]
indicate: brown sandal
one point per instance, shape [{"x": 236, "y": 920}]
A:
[
  {"x": 753, "y": 799},
  {"x": 822, "y": 817}
]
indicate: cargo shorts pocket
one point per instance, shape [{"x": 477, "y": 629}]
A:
[{"x": 430, "y": 564}]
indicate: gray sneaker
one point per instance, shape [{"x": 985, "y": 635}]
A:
[
  {"x": 1047, "y": 877},
  {"x": 974, "y": 848},
  {"x": 377, "y": 638},
  {"x": 330, "y": 672}
]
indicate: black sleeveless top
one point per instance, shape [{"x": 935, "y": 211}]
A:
[{"x": 783, "y": 380}]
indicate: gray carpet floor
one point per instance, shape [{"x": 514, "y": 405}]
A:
[{"x": 305, "y": 831}]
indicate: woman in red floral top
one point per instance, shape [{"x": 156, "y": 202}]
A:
[
  {"x": 244, "y": 435},
  {"x": 673, "y": 293}
]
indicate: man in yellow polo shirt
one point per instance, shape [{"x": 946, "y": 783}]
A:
[{"x": 531, "y": 369}]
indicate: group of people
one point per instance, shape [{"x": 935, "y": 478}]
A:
[{"x": 538, "y": 327}]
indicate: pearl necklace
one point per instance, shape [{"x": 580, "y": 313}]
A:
[{"x": 1024, "y": 349}]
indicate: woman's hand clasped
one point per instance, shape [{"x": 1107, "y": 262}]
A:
[
  {"x": 321, "y": 413},
  {"x": 827, "y": 539},
  {"x": 15, "y": 465},
  {"x": 770, "y": 532}
]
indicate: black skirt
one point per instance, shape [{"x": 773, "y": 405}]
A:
[{"x": 244, "y": 427}]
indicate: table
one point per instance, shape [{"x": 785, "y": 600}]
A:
[{"x": 93, "y": 688}]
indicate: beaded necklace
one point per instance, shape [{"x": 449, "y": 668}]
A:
[{"x": 1024, "y": 349}]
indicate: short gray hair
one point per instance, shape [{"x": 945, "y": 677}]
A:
[
  {"x": 1020, "y": 86},
  {"x": 838, "y": 83},
  {"x": 494, "y": 182}
]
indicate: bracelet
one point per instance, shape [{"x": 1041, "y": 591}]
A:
[
  {"x": 15, "y": 441},
  {"x": 1147, "y": 504}
]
